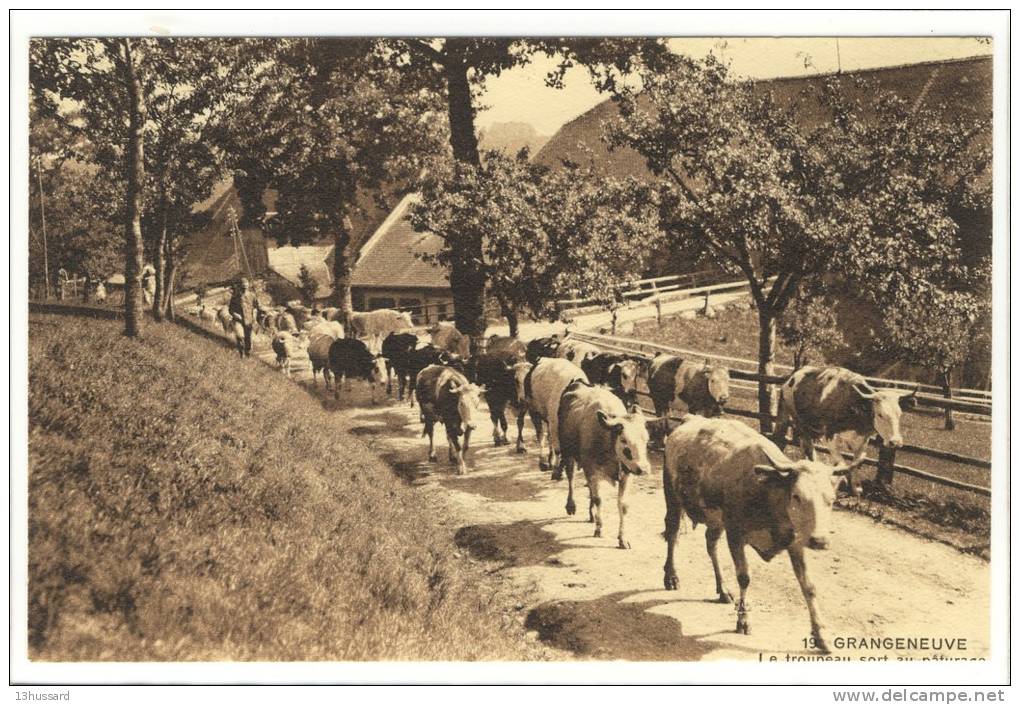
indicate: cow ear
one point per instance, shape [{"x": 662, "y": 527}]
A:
[
  {"x": 636, "y": 410},
  {"x": 455, "y": 388},
  {"x": 607, "y": 422},
  {"x": 863, "y": 391},
  {"x": 769, "y": 472},
  {"x": 909, "y": 400}
]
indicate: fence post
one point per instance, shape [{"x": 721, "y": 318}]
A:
[
  {"x": 886, "y": 461},
  {"x": 706, "y": 301}
]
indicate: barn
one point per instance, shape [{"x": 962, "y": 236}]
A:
[{"x": 392, "y": 271}]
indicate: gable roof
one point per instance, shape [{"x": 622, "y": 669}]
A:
[
  {"x": 287, "y": 260},
  {"x": 390, "y": 258}
]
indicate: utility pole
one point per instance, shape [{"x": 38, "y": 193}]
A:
[
  {"x": 42, "y": 212},
  {"x": 839, "y": 63}
]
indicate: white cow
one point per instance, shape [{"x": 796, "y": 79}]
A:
[{"x": 543, "y": 387}]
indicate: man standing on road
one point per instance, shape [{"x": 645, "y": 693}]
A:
[{"x": 243, "y": 305}]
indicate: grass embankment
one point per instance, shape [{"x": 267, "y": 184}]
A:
[
  {"x": 187, "y": 505},
  {"x": 734, "y": 333}
]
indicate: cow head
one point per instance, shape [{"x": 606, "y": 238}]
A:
[
  {"x": 625, "y": 376},
  {"x": 718, "y": 384},
  {"x": 377, "y": 372},
  {"x": 404, "y": 319},
  {"x": 887, "y": 407},
  {"x": 802, "y": 493},
  {"x": 521, "y": 370},
  {"x": 630, "y": 439},
  {"x": 468, "y": 401}
]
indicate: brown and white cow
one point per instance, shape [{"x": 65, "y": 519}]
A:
[
  {"x": 374, "y": 326},
  {"x": 701, "y": 387},
  {"x": 609, "y": 443},
  {"x": 832, "y": 404},
  {"x": 618, "y": 371},
  {"x": 576, "y": 351},
  {"x": 444, "y": 335},
  {"x": 505, "y": 344},
  {"x": 445, "y": 395},
  {"x": 543, "y": 387},
  {"x": 730, "y": 478}
]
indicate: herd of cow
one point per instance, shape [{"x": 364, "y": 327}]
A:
[{"x": 583, "y": 405}]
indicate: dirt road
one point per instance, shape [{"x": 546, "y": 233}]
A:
[{"x": 587, "y": 596}]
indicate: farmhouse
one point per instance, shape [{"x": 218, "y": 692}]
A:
[{"x": 391, "y": 271}]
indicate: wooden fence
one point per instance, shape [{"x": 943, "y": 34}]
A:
[
  {"x": 645, "y": 288},
  {"x": 885, "y": 463}
]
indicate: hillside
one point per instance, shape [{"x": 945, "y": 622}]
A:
[
  {"x": 185, "y": 505},
  {"x": 511, "y": 137}
]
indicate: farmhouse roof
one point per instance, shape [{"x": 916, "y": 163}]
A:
[
  {"x": 392, "y": 256},
  {"x": 287, "y": 260}
]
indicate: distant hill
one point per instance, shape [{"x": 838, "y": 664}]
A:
[{"x": 511, "y": 137}]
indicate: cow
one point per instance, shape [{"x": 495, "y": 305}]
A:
[
  {"x": 609, "y": 443},
  {"x": 499, "y": 344},
  {"x": 373, "y": 326},
  {"x": 428, "y": 354},
  {"x": 703, "y": 389},
  {"x": 397, "y": 348},
  {"x": 300, "y": 313},
  {"x": 332, "y": 313},
  {"x": 833, "y": 403},
  {"x": 542, "y": 347},
  {"x": 495, "y": 372},
  {"x": 618, "y": 371},
  {"x": 447, "y": 337},
  {"x": 447, "y": 396},
  {"x": 286, "y": 346},
  {"x": 543, "y": 388},
  {"x": 730, "y": 478},
  {"x": 320, "y": 339},
  {"x": 351, "y": 358},
  {"x": 522, "y": 378},
  {"x": 576, "y": 351}
]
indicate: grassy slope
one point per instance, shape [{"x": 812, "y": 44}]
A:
[{"x": 184, "y": 505}]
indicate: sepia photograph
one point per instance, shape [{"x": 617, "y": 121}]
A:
[{"x": 592, "y": 349}]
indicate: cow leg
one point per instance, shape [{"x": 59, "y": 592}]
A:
[
  {"x": 338, "y": 380},
  {"x": 554, "y": 448},
  {"x": 595, "y": 503},
  {"x": 520, "y": 431},
  {"x": 807, "y": 445},
  {"x": 736, "y": 544},
  {"x": 457, "y": 456},
  {"x": 389, "y": 379},
  {"x": 712, "y": 535},
  {"x": 430, "y": 431},
  {"x": 621, "y": 505},
  {"x": 467, "y": 439},
  {"x": 571, "y": 506},
  {"x": 503, "y": 424},
  {"x": 494, "y": 414},
  {"x": 674, "y": 512},
  {"x": 543, "y": 459},
  {"x": 808, "y": 588}
]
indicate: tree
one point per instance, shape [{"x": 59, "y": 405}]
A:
[
  {"x": 936, "y": 329},
  {"x": 740, "y": 181},
  {"x": 809, "y": 324},
  {"x": 826, "y": 182},
  {"x": 328, "y": 123},
  {"x": 456, "y": 68},
  {"x": 543, "y": 233},
  {"x": 307, "y": 284}
]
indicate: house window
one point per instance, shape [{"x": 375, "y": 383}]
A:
[{"x": 377, "y": 302}]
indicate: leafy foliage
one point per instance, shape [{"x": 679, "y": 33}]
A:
[
  {"x": 545, "y": 234},
  {"x": 307, "y": 284},
  {"x": 808, "y": 325}
]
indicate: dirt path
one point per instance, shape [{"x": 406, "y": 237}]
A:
[{"x": 601, "y": 602}]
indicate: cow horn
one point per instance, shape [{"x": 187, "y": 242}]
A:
[
  {"x": 845, "y": 469},
  {"x": 455, "y": 388}
]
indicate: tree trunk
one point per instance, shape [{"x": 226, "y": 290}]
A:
[
  {"x": 947, "y": 392},
  {"x": 467, "y": 280},
  {"x": 342, "y": 271},
  {"x": 158, "y": 300},
  {"x": 134, "y": 165},
  {"x": 510, "y": 315},
  {"x": 766, "y": 359}
]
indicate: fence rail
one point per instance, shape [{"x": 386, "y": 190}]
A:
[
  {"x": 886, "y": 462},
  {"x": 656, "y": 286}
]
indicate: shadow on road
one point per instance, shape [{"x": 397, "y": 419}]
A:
[
  {"x": 609, "y": 628},
  {"x": 519, "y": 543}
]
